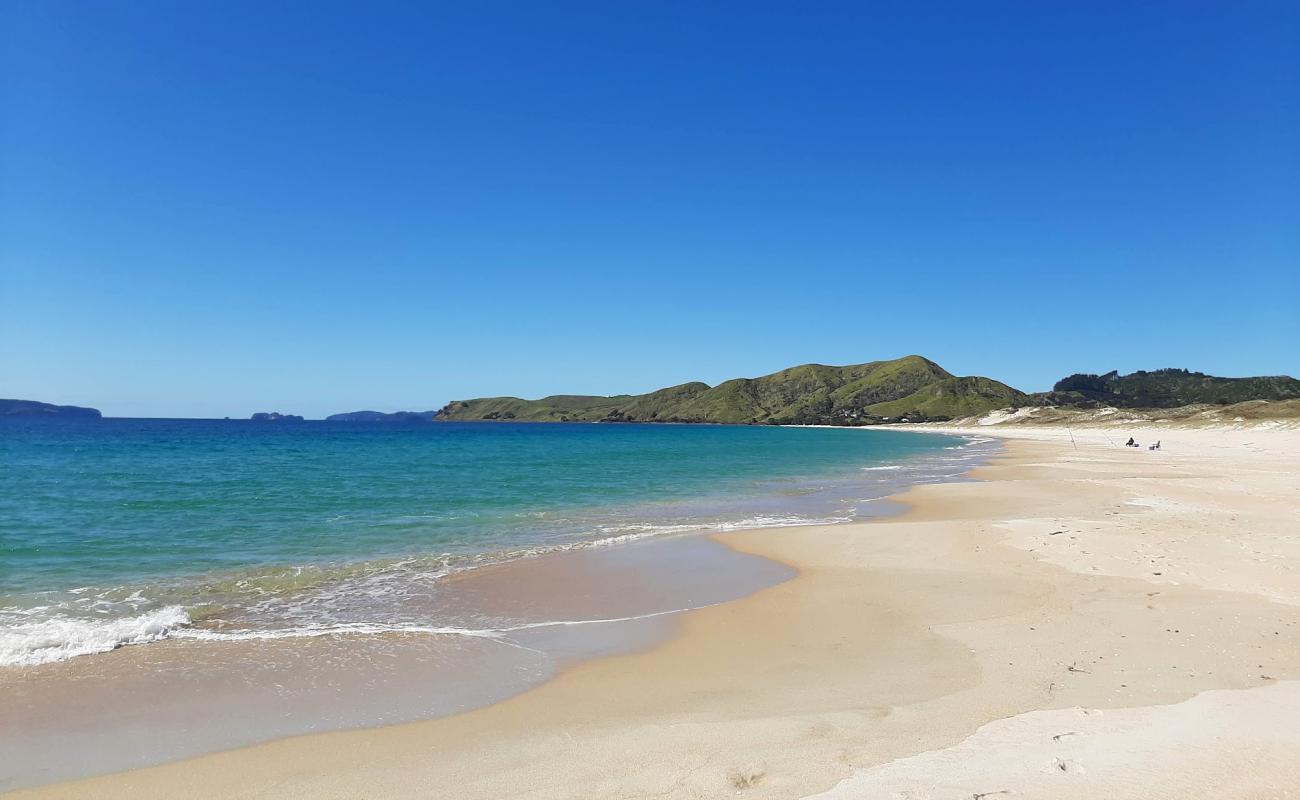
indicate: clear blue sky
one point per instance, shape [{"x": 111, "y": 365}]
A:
[{"x": 210, "y": 209}]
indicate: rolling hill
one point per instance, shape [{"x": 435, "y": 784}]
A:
[{"x": 911, "y": 387}]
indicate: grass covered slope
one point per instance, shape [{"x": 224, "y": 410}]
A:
[
  {"x": 556, "y": 408},
  {"x": 953, "y": 397},
  {"x": 809, "y": 394}
]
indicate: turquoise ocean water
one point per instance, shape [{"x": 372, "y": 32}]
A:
[{"x": 120, "y": 532}]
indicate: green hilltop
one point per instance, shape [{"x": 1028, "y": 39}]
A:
[{"x": 912, "y": 387}]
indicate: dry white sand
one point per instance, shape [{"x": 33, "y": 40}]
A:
[
  {"x": 1088, "y": 620},
  {"x": 1233, "y": 743}
]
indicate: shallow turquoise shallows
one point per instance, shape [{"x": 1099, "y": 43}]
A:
[{"x": 266, "y": 525}]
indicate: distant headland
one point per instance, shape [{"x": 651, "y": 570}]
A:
[
  {"x": 33, "y": 408},
  {"x": 908, "y": 389},
  {"x": 275, "y": 416},
  {"x": 380, "y": 416}
]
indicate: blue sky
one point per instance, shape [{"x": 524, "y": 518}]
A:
[{"x": 215, "y": 209}]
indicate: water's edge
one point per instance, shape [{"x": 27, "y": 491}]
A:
[{"x": 137, "y": 706}]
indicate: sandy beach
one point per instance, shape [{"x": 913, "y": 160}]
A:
[
  {"x": 1084, "y": 620},
  {"x": 649, "y": 401}
]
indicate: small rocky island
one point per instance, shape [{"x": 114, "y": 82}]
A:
[
  {"x": 38, "y": 410},
  {"x": 275, "y": 416}
]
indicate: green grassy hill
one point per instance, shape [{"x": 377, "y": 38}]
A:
[
  {"x": 809, "y": 394},
  {"x": 953, "y": 397}
]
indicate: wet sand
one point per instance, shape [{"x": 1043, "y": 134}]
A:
[
  {"x": 1087, "y": 620},
  {"x": 179, "y": 698}
]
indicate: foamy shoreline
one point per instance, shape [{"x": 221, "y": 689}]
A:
[
  {"x": 934, "y": 654},
  {"x": 263, "y": 601}
]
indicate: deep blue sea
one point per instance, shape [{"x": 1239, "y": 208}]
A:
[{"x": 126, "y": 531}]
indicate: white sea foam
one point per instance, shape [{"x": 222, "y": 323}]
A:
[
  {"x": 777, "y": 522},
  {"x": 634, "y": 532},
  {"x": 886, "y": 466},
  {"x": 375, "y": 629},
  {"x": 32, "y": 643}
]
